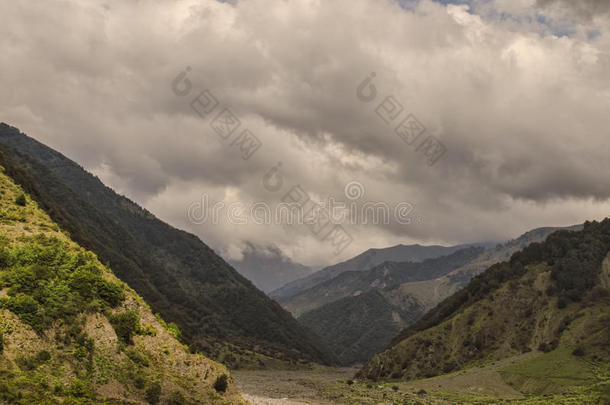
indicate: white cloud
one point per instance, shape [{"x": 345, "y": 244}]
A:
[{"x": 522, "y": 111}]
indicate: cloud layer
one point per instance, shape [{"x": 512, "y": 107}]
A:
[{"x": 517, "y": 91}]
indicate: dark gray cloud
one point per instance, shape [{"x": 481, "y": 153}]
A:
[
  {"x": 587, "y": 9},
  {"x": 522, "y": 112}
]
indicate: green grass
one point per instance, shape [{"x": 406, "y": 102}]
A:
[{"x": 549, "y": 373}]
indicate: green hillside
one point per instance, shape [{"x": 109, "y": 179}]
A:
[
  {"x": 219, "y": 311},
  {"x": 386, "y": 274},
  {"x": 72, "y": 333},
  {"x": 551, "y": 297},
  {"x": 356, "y": 328},
  {"x": 362, "y": 314}
]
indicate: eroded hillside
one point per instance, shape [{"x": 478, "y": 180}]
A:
[
  {"x": 72, "y": 333},
  {"x": 550, "y": 296}
]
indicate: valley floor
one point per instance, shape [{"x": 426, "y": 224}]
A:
[
  {"x": 325, "y": 386},
  {"x": 330, "y": 386}
]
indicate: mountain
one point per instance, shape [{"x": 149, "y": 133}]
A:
[
  {"x": 364, "y": 261},
  {"x": 362, "y": 315},
  {"x": 387, "y": 274},
  {"x": 268, "y": 267},
  {"x": 356, "y": 328},
  {"x": 218, "y": 310},
  {"x": 71, "y": 332},
  {"x": 431, "y": 292},
  {"x": 550, "y": 297},
  {"x": 357, "y": 325}
]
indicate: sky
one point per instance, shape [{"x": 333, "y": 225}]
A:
[{"x": 466, "y": 121}]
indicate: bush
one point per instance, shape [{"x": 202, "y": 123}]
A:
[
  {"x": 176, "y": 398},
  {"x": 153, "y": 393},
  {"x": 137, "y": 356},
  {"x": 111, "y": 293},
  {"x": 20, "y": 200},
  {"x": 221, "y": 383},
  {"x": 139, "y": 382},
  {"x": 579, "y": 351},
  {"x": 43, "y": 356},
  {"x": 125, "y": 325},
  {"x": 27, "y": 309},
  {"x": 80, "y": 389}
]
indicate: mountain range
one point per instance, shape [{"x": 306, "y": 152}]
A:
[
  {"x": 550, "y": 297},
  {"x": 363, "y": 315},
  {"x": 362, "y": 262},
  {"x": 356, "y": 322},
  {"x": 219, "y": 311}
]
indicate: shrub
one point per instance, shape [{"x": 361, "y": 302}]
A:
[
  {"x": 153, "y": 393},
  {"x": 221, "y": 383},
  {"x": 137, "y": 356},
  {"x": 139, "y": 382},
  {"x": 125, "y": 325},
  {"x": 27, "y": 309},
  {"x": 111, "y": 293},
  {"x": 147, "y": 330},
  {"x": 43, "y": 356},
  {"x": 176, "y": 398},
  {"x": 20, "y": 200},
  {"x": 80, "y": 388},
  {"x": 579, "y": 351}
]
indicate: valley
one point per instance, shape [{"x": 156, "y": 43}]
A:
[
  {"x": 305, "y": 202},
  {"x": 476, "y": 385},
  {"x": 522, "y": 322}
]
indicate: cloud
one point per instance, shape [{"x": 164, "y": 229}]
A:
[
  {"x": 522, "y": 111},
  {"x": 584, "y": 9}
]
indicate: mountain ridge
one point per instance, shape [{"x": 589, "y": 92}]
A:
[
  {"x": 362, "y": 262},
  {"x": 72, "y": 332},
  {"x": 548, "y": 296},
  {"x": 218, "y": 310}
]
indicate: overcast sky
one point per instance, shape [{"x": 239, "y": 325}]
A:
[{"x": 517, "y": 91}]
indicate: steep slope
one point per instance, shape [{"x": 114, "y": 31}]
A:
[
  {"x": 431, "y": 292},
  {"x": 387, "y": 274},
  {"x": 364, "y": 261},
  {"x": 550, "y": 296},
  {"x": 359, "y": 319},
  {"x": 71, "y": 332},
  {"x": 218, "y": 310},
  {"x": 268, "y": 267},
  {"x": 356, "y": 328},
  {"x": 402, "y": 302}
]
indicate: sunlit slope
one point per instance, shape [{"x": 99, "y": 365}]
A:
[
  {"x": 550, "y": 296},
  {"x": 71, "y": 332}
]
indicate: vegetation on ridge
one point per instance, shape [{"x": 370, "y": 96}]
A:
[
  {"x": 218, "y": 311},
  {"x": 548, "y": 297},
  {"x": 72, "y": 333}
]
